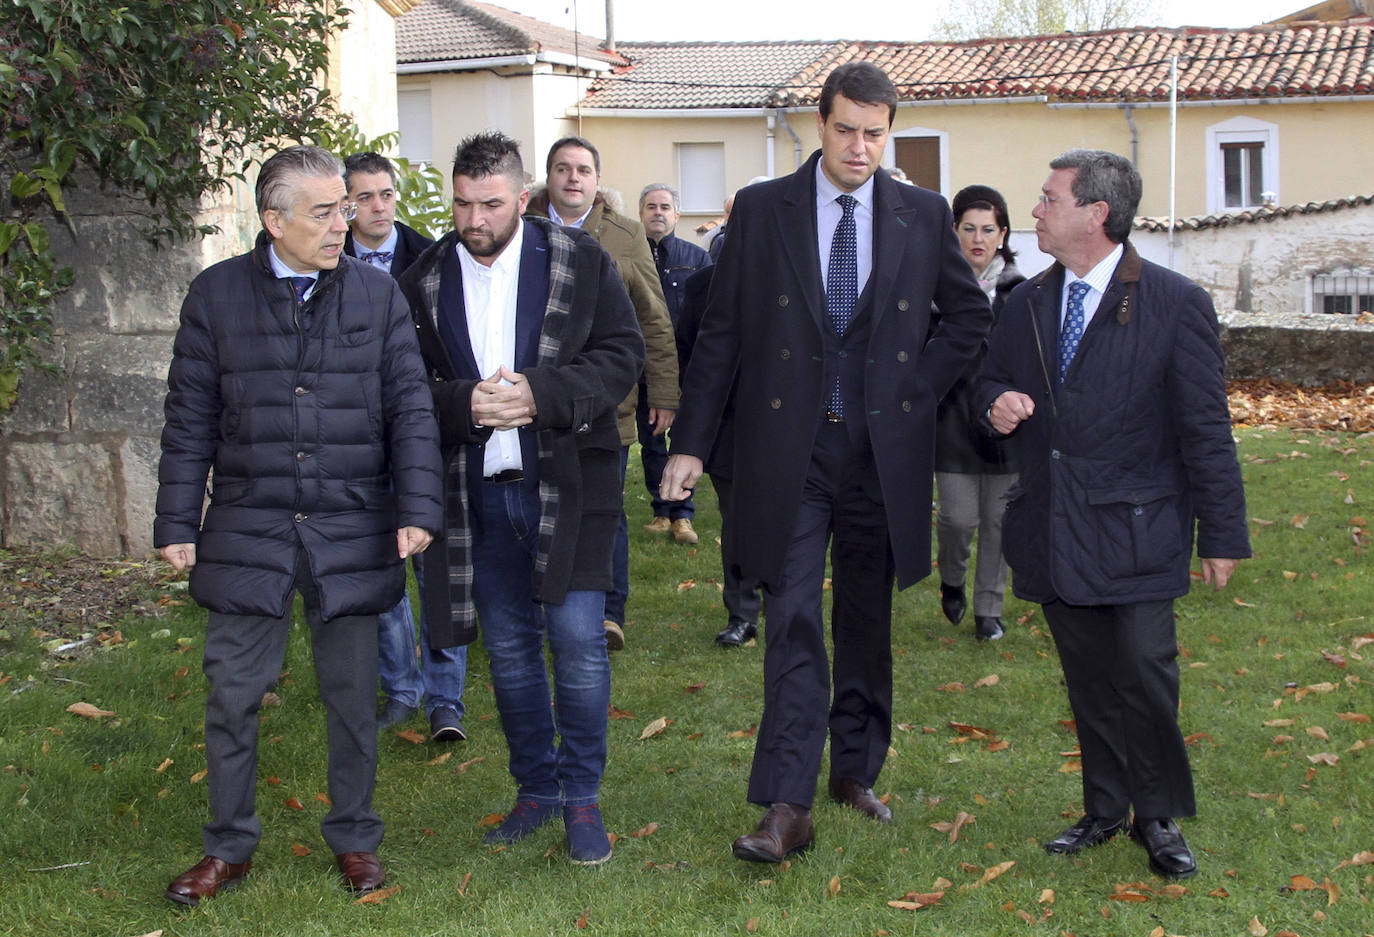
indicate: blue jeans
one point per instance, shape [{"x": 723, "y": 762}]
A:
[
  {"x": 444, "y": 674},
  {"x": 505, "y": 535}
]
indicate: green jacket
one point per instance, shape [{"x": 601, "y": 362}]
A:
[{"x": 624, "y": 239}]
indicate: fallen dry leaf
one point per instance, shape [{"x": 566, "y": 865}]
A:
[
  {"x": 300, "y": 850},
  {"x": 654, "y": 728},
  {"x": 199, "y": 776},
  {"x": 166, "y": 763},
  {"x": 953, "y": 827},
  {"x": 683, "y": 587},
  {"x": 617, "y": 713},
  {"x": 461, "y": 769},
  {"x": 463, "y": 885},
  {"x": 1324, "y": 758},
  {"x": 990, "y": 680},
  {"x": 440, "y": 760},
  {"x": 294, "y": 803},
  {"x": 955, "y": 687},
  {"x": 1128, "y": 895},
  {"x": 998, "y": 745},
  {"x": 1317, "y": 732},
  {"x": 584, "y": 920},
  {"x": 378, "y": 896},
  {"x": 491, "y": 819},
  {"x": 833, "y": 888},
  {"x": 324, "y": 799},
  {"x": 991, "y": 873},
  {"x": 412, "y": 736},
  {"x": 1047, "y": 896},
  {"x": 694, "y": 688},
  {"x": 742, "y": 733},
  {"x": 1256, "y": 929},
  {"x": 87, "y": 711},
  {"x": 1353, "y": 717},
  {"x": 751, "y": 925},
  {"x": 912, "y": 901},
  {"x": 1360, "y": 858},
  {"x": 642, "y": 832}
]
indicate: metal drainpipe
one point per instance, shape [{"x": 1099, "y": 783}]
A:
[
  {"x": 1135, "y": 135},
  {"x": 796, "y": 140}
]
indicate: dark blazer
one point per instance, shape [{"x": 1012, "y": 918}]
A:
[
  {"x": 765, "y": 319},
  {"x": 1133, "y": 449},
  {"x": 410, "y": 244},
  {"x": 601, "y": 355},
  {"x": 319, "y": 427}
]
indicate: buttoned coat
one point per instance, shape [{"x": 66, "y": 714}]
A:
[
  {"x": 764, "y": 328},
  {"x": 1134, "y": 450}
]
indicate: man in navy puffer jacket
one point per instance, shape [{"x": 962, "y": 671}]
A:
[{"x": 297, "y": 380}]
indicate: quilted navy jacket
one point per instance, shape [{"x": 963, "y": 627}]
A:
[
  {"x": 319, "y": 427},
  {"x": 1134, "y": 451}
]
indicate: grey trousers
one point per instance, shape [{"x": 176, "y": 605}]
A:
[
  {"x": 243, "y": 659},
  {"x": 969, "y": 503}
]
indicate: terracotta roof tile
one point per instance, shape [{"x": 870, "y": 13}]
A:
[
  {"x": 1129, "y": 64},
  {"x": 447, "y": 30},
  {"x": 1252, "y": 215}
]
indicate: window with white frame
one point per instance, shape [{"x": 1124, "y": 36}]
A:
[
  {"x": 1242, "y": 164},
  {"x": 921, "y": 153},
  {"x": 1343, "y": 291},
  {"x": 415, "y": 125},
  {"x": 701, "y": 176}
]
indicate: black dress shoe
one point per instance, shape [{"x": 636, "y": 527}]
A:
[
  {"x": 736, "y": 633},
  {"x": 1169, "y": 853},
  {"x": 952, "y": 602},
  {"x": 207, "y": 878},
  {"x": 851, "y": 793},
  {"x": 987, "y": 627},
  {"x": 1086, "y": 833},
  {"x": 784, "y": 829}
]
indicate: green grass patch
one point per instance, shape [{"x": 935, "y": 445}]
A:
[{"x": 100, "y": 813}]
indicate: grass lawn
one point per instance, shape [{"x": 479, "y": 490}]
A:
[{"x": 99, "y": 813}]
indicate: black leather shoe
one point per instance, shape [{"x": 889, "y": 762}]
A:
[
  {"x": 1169, "y": 853},
  {"x": 851, "y": 793},
  {"x": 737, "y": 632},
  {"x": 952, "y": 602},
  {"x": 784, "y": 829},
  {"x": 1086, "y": 833},
  {"x": 987, "y": 627}
]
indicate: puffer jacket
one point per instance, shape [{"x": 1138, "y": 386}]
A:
[
  {"x": 1121, "y": 462},
  {"x": 623, "y": 238},
  {"x": 319, "y": 427}
]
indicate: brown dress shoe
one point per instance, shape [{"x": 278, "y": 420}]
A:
[
  {"x": 784, "y": 829},
  {"x": 205, "y": 879},
  {"x": 851, "y": 793},
  {"x": 362, "y": 872}
]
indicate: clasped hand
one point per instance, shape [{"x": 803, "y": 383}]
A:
[{"x": 503, "y": 401}]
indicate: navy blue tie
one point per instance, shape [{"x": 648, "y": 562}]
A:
[
  {"x": 1072, "y": 332},
  {"x": 302, "y": 286},
  {"x": 842, "y": 283},
  {"x": 378, "y": 258}
]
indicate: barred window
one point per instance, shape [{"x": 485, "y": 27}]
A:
[{"x": 1346, "y": 292}]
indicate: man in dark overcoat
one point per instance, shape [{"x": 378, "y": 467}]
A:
[
  {"x": 296, "y": 378},
  {"x": 1109, "y": 370},
  {"x": 531, "y": 341},
  {"x": 820, "y": 310}
]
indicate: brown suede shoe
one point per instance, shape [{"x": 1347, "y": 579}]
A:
[
  {"x": 851, "y": 793},
  {"x": 784, "y": 829},
  {"x": 205, "y": 879},
  {"x": 362, "y": 872}
]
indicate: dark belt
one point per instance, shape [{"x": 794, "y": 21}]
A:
[
  {"x": 832, "y": 417},
  {"x": 508, "y": 477}
]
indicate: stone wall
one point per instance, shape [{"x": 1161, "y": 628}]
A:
[{"x": 79, "y": 450}]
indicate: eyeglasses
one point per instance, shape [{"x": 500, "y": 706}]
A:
[
  {"x": 348, "y": 211},
  {"x": 1047, "y": 200}
]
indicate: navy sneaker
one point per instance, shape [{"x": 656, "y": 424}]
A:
[
  {"x": 525, "y": 817},
  {"x": 445, "y": 726},
  {"x": 588, "y": 843}
]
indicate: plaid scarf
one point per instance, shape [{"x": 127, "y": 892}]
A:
[{"x": 458, "y": 542}]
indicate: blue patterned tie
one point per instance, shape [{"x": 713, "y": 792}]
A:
[
  {"x": 302, "y": 286},
  {"x": 378, "y": 259},
  {"x": 1072, "y": 332},
  {"x": 842, "y": 282}
]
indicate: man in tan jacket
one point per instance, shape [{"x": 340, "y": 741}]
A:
[{"x": 572, "y": 197}]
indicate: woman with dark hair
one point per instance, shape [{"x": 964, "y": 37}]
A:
[{"x": 973, "y": 470}]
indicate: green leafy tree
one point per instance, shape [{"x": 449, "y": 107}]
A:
[
  {"x": 167, "y": 99},
  {"x": 978, "y": 19},
  {"x": 419, "y": 188}
]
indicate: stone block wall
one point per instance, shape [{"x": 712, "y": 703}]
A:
[{"x": 79, "y": 450}]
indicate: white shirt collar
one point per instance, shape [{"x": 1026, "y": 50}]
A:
[
  {"x": 507, "y": 262},
  {"x": 558, "y": 219},
  {"x": 284, "y": 272},
  {"x": 827, "y": 191},
  {"x": 1100, "y": 276}
]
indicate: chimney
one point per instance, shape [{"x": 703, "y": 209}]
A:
[{"x": 609, "y": 44}]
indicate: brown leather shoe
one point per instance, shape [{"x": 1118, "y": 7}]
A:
[
  {"x": 362, "y": 872},
  {"x": 205, "y": 879},
  {"x": 851, "y": 793},
  {"x": 682, "y": 530},
  {"x": 784, "y": 829}
]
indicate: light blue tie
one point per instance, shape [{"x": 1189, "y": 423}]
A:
[
  {"x": 842, "y": 282},
  {"x": 1072, "y": 332}
]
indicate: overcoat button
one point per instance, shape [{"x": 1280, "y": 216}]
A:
[
  {"x": 901, "y": 356},
  {"x": 775, "y": 403},
  {"x": 906, "y": 406},
  {"x": 903, "y": 305},
  {"x": 783, "y": 300},
  {"x": 785, "y": 354}
]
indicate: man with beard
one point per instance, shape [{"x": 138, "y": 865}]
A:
[{"x": 530, "y": 342}]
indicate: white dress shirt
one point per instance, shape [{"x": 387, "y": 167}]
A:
[
  {"x": 828, "y": 214},
  {"x": 1098, "y": 279},
  {"x": 489, "y": 297},
  {"x": 388, "y": 246}
]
